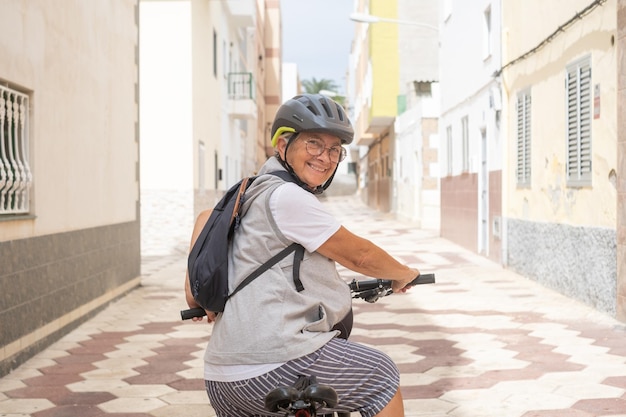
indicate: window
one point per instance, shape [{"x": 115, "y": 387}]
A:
[
  {"x": 449, "y": 146},
  {"x": 423, "y": 88},
  {"x": 215, "y": 53},
  {"x": 578, "y": 83},
  {"x": 465, "y": 143},
  {"x": 523, "y": 138},
  {"x": 15, "y": 174},
  {"x": 201, "y": 167},
  {"x": 225, "y": 61}
]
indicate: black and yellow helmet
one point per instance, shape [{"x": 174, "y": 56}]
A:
[{"x": 312, "y": 113}]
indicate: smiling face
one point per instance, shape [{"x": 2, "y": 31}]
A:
[{"x": 312, "y": 170}]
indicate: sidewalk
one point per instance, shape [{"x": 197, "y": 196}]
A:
[{"x": 481, "y": 342}]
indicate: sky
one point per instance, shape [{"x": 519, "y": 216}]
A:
[{"x": 317, "y": 36}]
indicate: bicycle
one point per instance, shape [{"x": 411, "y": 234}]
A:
[{"x": 307, "y": 397}]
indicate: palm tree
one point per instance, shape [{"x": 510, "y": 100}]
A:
[{"x": 314, "y": 86}]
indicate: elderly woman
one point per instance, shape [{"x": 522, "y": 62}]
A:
[{"x": 272, "y": 332}]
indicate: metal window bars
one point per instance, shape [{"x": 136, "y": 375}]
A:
[{"x": 15, "y": 174}]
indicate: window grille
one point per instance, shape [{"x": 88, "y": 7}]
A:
[
  {"x": 523, "y": 138},
  {"x": 15, "y": 174},
  {"x": 578, "y": 85}
]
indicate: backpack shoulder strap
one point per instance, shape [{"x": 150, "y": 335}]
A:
[
  {"x": 299, "y": 249},
  {"x": 222, "y": 205},
  {"x": 284, "y": 175},
  {"x": 239, "y": 199},
  {"x": 294, "y": 247}
]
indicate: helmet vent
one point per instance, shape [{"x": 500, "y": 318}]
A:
[
  {"x": 340, "y": 113},
  {"x": 329, "y": 113},
  {"x": 313, "y": 110}
]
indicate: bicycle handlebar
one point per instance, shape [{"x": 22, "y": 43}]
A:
[{"x": 369, "y": 290}]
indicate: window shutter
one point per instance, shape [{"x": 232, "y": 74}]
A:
[
  {"x": 578, "y": 82},
  {"x": 523, "y": 138}
]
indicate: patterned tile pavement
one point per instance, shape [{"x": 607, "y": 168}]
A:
[{"x": 481, "y": 342}]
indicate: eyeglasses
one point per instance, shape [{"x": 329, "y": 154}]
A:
[{"x": 336, "y": 154}]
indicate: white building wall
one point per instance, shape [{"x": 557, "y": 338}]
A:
[
  {"x": 290, "y": 81},
  {"x": 470, "y": 58},
  {"x": 223, "y": 42},
  {"x": 82, "y": 155},
  {"x": 468, "y": 85},
  {"x": 165, "y": 91},
  {"x": 413, "y": 201}
]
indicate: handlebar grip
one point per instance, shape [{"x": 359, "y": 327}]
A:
[
  {"x": 423, "y": 279},
  {"x": 367, "y": 284},
  {"x": 192, "y": 312}
]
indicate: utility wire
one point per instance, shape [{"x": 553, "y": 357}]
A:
[{"x": 547, "y": 40}]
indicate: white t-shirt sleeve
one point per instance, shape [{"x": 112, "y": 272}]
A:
[{"x": 301, "y": 217}]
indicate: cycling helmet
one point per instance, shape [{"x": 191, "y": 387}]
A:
[{"x": 313, "y": 113}]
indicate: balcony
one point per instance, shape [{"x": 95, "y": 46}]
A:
[
  {"x": 366, "y": 139},
  {"x": 241, "y": 103},
  {"x": 378, "y": 127},
  {"x": 243, "y": 13}
]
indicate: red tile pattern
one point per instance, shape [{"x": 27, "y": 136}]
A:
[{"x": 481, "y": 342}]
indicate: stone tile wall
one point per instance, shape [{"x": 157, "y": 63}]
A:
[{"x": 51, "y": 283}]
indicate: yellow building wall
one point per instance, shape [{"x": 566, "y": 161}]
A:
[
  {"x": 550, "y": 198},
  {"x": 385, "y": 59}
]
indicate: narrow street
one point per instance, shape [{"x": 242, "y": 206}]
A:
[{"x": 481, "y": 342}]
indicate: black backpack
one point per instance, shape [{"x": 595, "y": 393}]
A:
[{"x": 208, "y": 261}]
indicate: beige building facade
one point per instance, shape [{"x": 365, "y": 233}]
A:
[
  {"x": 69, "y": 182},
  {"x": 560, "y": 187},
  {"x": 236, "y": 72}
]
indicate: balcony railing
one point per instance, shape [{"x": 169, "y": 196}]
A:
[
  {"x": 240, "y": 86},
  {"x": 241, "y": 90}
]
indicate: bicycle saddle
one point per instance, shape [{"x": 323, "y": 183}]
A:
[
  {"x": 323, "y": 394},
  {"x": 283, "y": 398},
  {"x": 280, "y": 398}
]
